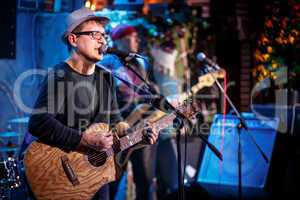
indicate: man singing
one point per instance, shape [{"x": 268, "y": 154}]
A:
[{"x": 77, "y": 93}]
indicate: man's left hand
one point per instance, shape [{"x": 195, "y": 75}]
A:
[
  {"x": 150, "y": 135},
  {"x": 121, "y": 128}
]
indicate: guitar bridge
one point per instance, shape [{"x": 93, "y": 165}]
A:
[{"x": 69, "y": 171}]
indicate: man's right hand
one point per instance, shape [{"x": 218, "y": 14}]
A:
[{"x": 97, "y": 140}]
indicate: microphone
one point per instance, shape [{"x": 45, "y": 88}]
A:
[
  {"x": 123, "y": 55},
  {"x": 202, "y": 57}
]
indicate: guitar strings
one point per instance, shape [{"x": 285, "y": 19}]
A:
[
  {"x": 97, "y": 151},
  {"x": 100, "y": 156}
]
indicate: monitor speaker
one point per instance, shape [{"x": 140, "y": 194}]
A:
[{"x": 221, "y": 177}]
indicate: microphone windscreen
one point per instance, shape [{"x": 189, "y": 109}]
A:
[{"x": 201, "y": 56}]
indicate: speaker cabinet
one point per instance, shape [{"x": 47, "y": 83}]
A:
[{"x": 221, "y": 177}]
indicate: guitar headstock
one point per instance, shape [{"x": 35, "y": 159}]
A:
[
  {"x": 190, "y": 106},
  {"x": 207, "y": 80}
]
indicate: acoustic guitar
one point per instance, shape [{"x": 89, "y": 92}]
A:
[{"x": 55, "y": 174}]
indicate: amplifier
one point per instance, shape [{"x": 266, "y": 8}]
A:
[{"x": 222, "y": 176}]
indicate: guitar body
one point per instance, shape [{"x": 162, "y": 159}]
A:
[{"x": 48, "y": 179}]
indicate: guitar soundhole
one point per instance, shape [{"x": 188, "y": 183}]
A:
[{"x": 97, "y": 159}]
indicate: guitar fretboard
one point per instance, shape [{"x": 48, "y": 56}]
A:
[{"x": 135, "y": 136}]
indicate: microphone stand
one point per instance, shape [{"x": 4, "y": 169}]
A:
[
  {"x": 241, "y": 125},
  {"x": 177, "y": 124}
]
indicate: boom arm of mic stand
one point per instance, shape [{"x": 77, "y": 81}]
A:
[
  {"x": 211, "y": 146},
  {"x": 241, "y": 119},
  {"x": 177, "y": 112},
  {"x": 154, "y": 92}
]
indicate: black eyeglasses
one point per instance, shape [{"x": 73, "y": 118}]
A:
[{"x": 96, "y": 35}]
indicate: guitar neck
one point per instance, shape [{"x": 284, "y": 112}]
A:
[
  {"x": 186, "y": 95},
  {"x": 135, "y": 136}
]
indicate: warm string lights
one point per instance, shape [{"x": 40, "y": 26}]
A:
[
  {"x": 90, "y": 5},
  {"x": 95, "y": 4},
  {"x": 278, "y": 44}
]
